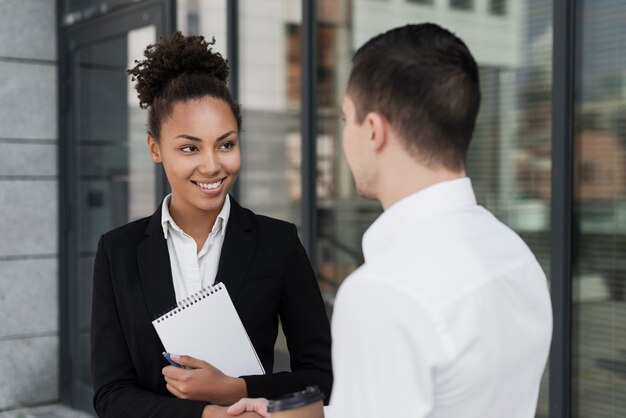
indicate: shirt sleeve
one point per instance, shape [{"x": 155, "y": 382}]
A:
[{"x": 385, "y": 349}]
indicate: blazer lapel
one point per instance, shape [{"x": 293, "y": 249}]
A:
[
  {"x": 155, "y": 272},
  {"x": 237, "y": 250}
]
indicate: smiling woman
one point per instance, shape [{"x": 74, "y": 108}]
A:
[
  {"x": 199, "y": 236},
  {"x": 199, "y": 150}
]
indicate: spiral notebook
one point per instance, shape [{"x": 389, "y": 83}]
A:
[{"x": 206, "y": 326}]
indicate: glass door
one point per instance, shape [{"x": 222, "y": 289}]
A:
[{"x": 109, "y": 178}]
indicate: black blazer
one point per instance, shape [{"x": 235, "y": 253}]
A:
[{"x": 267, "y": 274}]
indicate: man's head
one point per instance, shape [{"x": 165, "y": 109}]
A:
[{"x": 422, "y": 82}]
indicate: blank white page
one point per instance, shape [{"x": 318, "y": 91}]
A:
[{"x": 206, "y": 326}]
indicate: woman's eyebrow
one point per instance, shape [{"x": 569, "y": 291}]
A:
[
  {"x": 190, "y": 137},
  {"x": 225, "y": 135},
  {"x": 195, "y": 138}
]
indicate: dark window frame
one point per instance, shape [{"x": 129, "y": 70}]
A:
[
  {"x": 308, "y": 128},
  {"x": 72, "y": 34},
  {"x": 563, "y": 79},
  {"x": 232, "y": 54}
]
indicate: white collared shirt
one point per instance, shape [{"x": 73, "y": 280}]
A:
[
  {"x": 193, "y": 270},
  {"x": 449, "y": 316}
]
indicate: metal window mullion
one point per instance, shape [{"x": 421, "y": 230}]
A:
[
  {"x": 561, "y": 205},
  {"x": 232, "y": 53},
  {"x": 308, "y": 83},
  {"x": 167, "y": 27},
  {"x": 63, "y": 159}
]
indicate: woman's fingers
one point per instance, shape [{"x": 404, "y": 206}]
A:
[{"x": 188, "y": 361}]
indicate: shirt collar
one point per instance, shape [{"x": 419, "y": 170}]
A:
[
  {"x": 435, "y": 199},
  {"x": 167, "y": 220}
]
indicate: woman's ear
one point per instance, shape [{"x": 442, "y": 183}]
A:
[{"x": 153, "y": 148}]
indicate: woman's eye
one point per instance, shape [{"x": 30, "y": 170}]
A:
[
  {"x": 189, "y": 148},
  {"x": 227, "y": 145}
]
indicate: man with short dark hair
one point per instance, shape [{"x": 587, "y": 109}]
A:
[{"x": 450, "y": 314}]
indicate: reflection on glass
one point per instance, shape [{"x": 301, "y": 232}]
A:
[
  {"x": 269, "y": 92},
  {"x": 115, "y": 175},
  {"x": 462, "y": 4},
  {"x": 509, "y": 160},
  {"x": 427, "y": 2},
  {"x": 497, "y": 7},
  {"x": 270, "y": 95},
  {"x": 203, "y": 17},
  {"x": 599, "y": 308}
]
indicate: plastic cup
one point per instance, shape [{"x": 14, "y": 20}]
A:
[{"x": 304, "y": 404}]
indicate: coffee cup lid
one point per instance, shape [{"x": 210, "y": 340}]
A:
[{"x": 295, "y": 400}]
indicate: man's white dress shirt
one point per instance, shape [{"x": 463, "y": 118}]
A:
[
  {"x": 193, "y": 270},
  {"x": 449, "y": 316}
]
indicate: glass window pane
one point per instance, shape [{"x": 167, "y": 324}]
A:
[
  {"x": 115, "y": 176},
  {"x": 269, "y": 77},
  {"x": 510, "y": 156},
  {"x": 90, "y": 6},
  {"x": 462, "y": 4},
  {"x": 497, "y": 7},
  {"x": 269, "y": 92},
  {"x": 599, "y": 275},
  {"x": 203, "y": 17}
]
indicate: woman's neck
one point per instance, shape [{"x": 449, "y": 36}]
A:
[{"x": 195, "y": 222}]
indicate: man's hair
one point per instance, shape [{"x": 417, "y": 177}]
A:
[{"x": 424, "y": 81}]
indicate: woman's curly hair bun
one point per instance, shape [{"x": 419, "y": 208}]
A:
[{"x": 170, "y": 58}]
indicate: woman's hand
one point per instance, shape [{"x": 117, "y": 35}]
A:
[
  {"x": 258, "y": 406},
  {"x": 214, "y": 411},
  {"x": 203, "y": 382}
]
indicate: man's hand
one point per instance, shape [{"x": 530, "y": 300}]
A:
[
  {"x": 214, "y": 411},
  {"x": 203, "y": 382},
  {"x": 258, "y": 406}
]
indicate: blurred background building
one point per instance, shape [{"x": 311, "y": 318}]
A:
[{"x": 73, "y": 162}]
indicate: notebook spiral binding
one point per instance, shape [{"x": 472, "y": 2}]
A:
[{"x": 189, "y": 301}]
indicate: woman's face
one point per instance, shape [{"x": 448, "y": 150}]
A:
[{"x": 199, "y": 149}]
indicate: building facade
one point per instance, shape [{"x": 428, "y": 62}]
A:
[{"x": 29, "y": 173}]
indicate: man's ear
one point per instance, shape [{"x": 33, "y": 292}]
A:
[
  {"x": 153, "y": 148},
  {"x": 379, "y": 130}
]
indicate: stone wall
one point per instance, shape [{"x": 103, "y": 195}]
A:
[{"x": 29, "y": 320}]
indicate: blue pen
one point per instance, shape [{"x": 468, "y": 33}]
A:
[{"x": 172, "y": 362}]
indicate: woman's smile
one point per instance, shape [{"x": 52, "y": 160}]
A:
[{"x": 210, "y": 187}]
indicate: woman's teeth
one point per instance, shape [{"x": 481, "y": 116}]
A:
[{"x": 209, "y": 186}]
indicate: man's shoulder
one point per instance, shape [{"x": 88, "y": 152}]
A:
[
  {"x": 368, "y": 285},
  {"x": 438, "y": 262},
  {"x": 375, "y": 305}
]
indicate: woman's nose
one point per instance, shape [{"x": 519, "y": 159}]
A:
[{"x": 209, "y": 164}]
